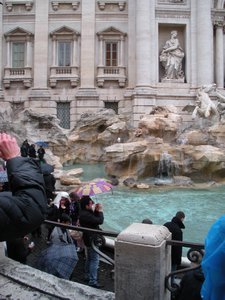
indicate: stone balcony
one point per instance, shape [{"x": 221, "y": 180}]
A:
[
  {"x": 69, "y": 73},
  {"x": 117, "y": 73},
  {"x": 17, "y": 75}
]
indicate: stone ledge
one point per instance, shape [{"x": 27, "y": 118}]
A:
[{"x": 29, "y": 281}]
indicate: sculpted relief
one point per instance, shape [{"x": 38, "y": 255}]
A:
[
  {"x": 171, "y": 59},
  {"x": 204, "y": 107}
]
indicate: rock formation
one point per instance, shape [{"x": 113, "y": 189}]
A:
[{"x": 159, "y": 147}]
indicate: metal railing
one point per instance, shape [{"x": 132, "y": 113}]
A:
[
  {"x": 194, "y": 254},
  {"x": 98, "y": 239}
]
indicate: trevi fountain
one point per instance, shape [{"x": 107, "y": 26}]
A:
[{"x": 158, "y": 167}]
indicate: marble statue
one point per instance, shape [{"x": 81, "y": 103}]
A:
[
  {"x": 171, "y": 58},
  {"x": 221, "y": 103},
  {"x": 204, "y": 107}
]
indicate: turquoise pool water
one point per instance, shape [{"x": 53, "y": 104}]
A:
[{"x": 126, "y": 206}]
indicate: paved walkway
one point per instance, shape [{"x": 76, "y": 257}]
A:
[{"x": 105, "y": 270}]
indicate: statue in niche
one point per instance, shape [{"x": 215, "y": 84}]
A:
[
  {"x": 204, "y": 106},
  {"x": 171, "y": 58}
]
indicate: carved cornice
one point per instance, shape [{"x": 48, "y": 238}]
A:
[
  {"x": 102, "y": 4},
  {"x": 172, "y": 13},
  {"x": 172, "y": 2},
  {"x": 27, "y": 3},
  {"x": 74, "y": 4}
]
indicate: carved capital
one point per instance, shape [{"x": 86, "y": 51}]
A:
[{"x": 220, "y": 23}]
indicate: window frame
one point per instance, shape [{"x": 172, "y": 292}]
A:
[{"x": 113, "y": 62}]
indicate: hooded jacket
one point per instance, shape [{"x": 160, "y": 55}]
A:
[
  {"x": 175, "y": 227},
  {"x": 22, "y": 209}
]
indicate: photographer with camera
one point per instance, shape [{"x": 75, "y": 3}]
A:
[
  {"x": 91, "y": 216},
  {"x": 22, "y": 209}
]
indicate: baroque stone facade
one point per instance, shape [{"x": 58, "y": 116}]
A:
[{"x": 66, "y": 57}]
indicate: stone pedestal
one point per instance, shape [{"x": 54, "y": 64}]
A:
[{"x": 142, "y": 262}]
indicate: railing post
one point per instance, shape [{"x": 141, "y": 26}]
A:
[{"x": 142, "y": 262}]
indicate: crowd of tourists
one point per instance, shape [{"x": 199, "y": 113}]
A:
[
  {"x": 24, "y": 207},
  {"x": 29, "y": 150}
]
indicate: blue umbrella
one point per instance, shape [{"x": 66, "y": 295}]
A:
[
  {"x": 3, "y": 176},
  {"x": 42, "y": 143}
]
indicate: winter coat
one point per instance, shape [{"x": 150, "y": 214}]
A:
[
  {"x": 18, "y": 250},
  {"x": 190, "y": 286},
  {"x": 23, "y": 209},
  {"x": 91, "y": 220},
  {"x": 175, "y": 228},
  {"x": 50, "y": 181}
]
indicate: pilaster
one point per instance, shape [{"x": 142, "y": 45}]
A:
[
  {"x": 88, "y": 44},
  {"x": 204, "y": 42},
  {"x": 143, "y": 43},
  {"x": 41, "y": 44}
]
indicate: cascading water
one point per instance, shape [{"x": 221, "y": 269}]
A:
[{"x": 167, "y": 167}]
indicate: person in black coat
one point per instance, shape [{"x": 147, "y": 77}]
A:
[
  {"x": 190, "y": 285},
  {"x": 18, "y": 249},
  {"x": 175, "y": 227},
  {"x": 22, "y": 209},
  {"x": 32, "y": 151},
  {"x": 91, "y": 216}
]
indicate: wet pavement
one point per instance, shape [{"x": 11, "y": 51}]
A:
[{"x": 105, "y": 271}]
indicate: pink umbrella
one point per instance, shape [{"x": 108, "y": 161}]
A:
[{"x": 94, "y": 188}]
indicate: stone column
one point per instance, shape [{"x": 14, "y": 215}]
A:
[
  {"x": 41, "y": 44},
  {"x": 204, "y": 42},
  {"x": 143, "y": 43},
  {"x": 219, "y": 54},
  {"x": 88, "y": 44},
  {"x": 142, "y": 262}
]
